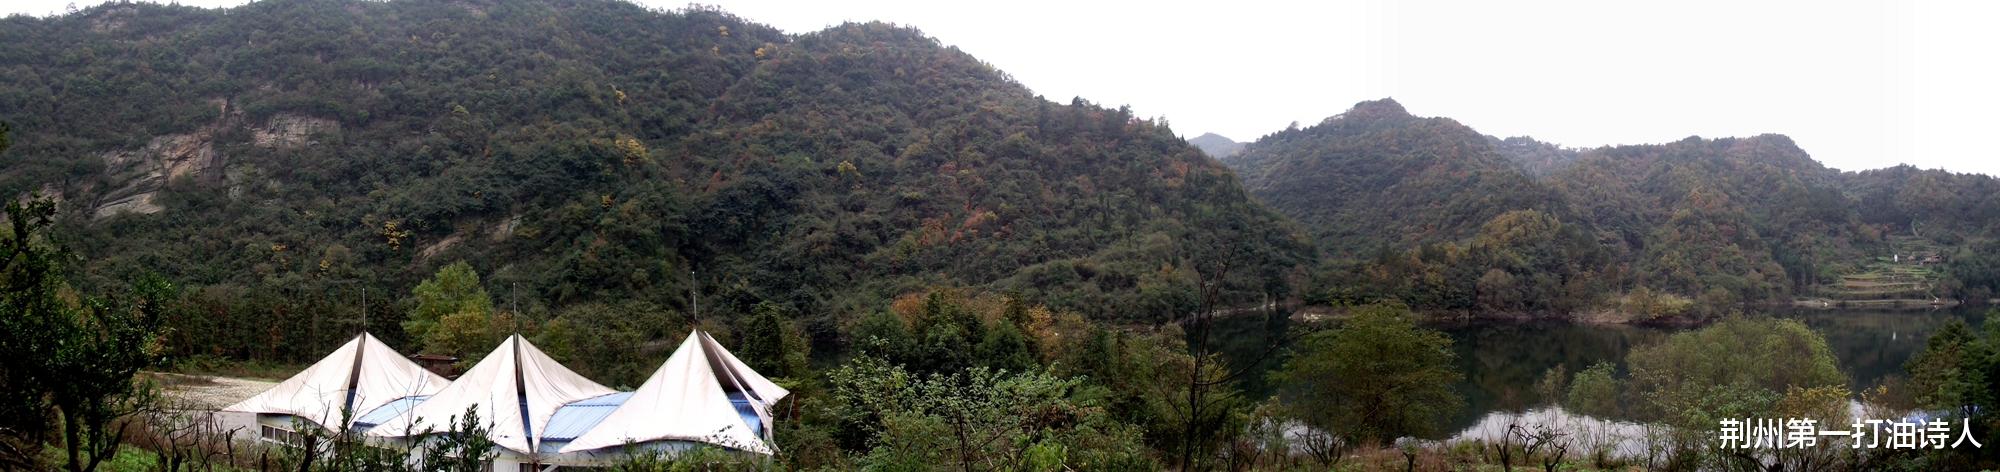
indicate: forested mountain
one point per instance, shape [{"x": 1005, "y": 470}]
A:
[
  {"x": 596, "y": 151},
  {"x": 1937, "y": 202},
  {"x": 1537, "y": 158},
  {"x": 944, "y": 270},
  {"x": 1216, "y": 145},
  {"x": 1376, "y": 177},
  {"x": 1428, "y": 211},
  {"x": 1755, "y": 217},
  {"x": 587, "y": 151}
]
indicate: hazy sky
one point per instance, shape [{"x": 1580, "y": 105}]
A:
[{"x": 1857, "y": 84}]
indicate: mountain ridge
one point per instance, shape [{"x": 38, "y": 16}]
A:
[
  {"x": 1216, "y": 145},
  {"x": 1368, "y": 153},
  {"x": 1730, "y": 220},
  {"x": 589, "y": 151}
]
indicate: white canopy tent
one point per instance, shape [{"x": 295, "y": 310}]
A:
[
  {"x": 358, "y": 377},
  {"x": 737, "y": 377},
  {"x": 689, "y": 399},
  {"x": 515, "y": 390}
]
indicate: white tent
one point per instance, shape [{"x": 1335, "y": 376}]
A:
[
  {"x": 515, "y": 390},
  {"x": 738, "y": 377},
  {"x": 688, "y": 399},
  {"x": 358, "y": 377}
]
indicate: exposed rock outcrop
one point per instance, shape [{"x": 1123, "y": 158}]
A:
[
  {"x": 138, "y": 174},
  {"x": 112, "y": 19},
  {"x": 291, "y": 131},
  {"x": 434, "y": 249},
  {"x": 505, "y": 229},
  {"x": 140, "y": 203}
]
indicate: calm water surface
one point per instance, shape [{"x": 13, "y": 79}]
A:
[{"x": 1502, "y": 361}]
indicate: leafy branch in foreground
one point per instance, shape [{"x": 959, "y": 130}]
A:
[{"x": 71, "y": 358}]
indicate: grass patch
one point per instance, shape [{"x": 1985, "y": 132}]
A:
[
  {"x": 220, "y": 367},
  {"x": 129, "y": 459}
]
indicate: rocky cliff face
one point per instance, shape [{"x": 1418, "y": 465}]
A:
[
  {"x": 137, "y": 175},
  {"x": 291, "y": 131}
]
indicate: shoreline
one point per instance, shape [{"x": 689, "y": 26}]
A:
[
  {"x": 1606, "y": 317},
  {"x": 1904, "y": 303}
]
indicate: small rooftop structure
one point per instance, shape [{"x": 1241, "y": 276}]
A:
[{"x": 440, "y": 364}]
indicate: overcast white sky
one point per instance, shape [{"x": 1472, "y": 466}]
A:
[{"x": 1858, "y": 84}]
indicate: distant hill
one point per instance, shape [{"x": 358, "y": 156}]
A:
[
  {"x": 599, "y": 151},
  {"x": 1535, "y": 157},
  {"x": 1753, "y": 216},
  {"x": 281, "y": 156},
  {"x": 1376, "y": 177},
  {"x": 1937, "y": 202},
  {"x": 1216, "y": 145},
  {"x": 1725, "y": 220}
]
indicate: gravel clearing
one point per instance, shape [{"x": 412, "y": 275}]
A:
[{"x": 208, "y": 393}]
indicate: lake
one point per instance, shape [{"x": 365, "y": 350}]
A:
[{"x": 1503, "y": 360}]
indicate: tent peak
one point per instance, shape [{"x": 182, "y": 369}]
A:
[
  {"x": 693, "y": 396},
  {"x": 355, "y": 378},
  {"x": 515, "y": 389}
]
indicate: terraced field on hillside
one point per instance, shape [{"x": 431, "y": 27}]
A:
[{"x": 1907, "y": 277}]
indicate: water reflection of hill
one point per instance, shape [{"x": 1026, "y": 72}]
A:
[
  {"x": 1874, "y": 344},
  {"x": 1502, "y": 361}
]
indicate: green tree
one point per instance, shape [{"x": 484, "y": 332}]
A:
[
  {"x": 468, "y": 335},
  {"x": 701, "y": 458},
  {"x": 1958, "y": 372},
  {"x": 617, "y": 344},
  {"x": 883, "y": 335},
  {"x": 1006, "y": 348},
  {"x": 771, "y": 345},
  {"x": 977, "y": 420},
  {"x": 451, "y": 298},
  {"x": 1952, "y": 372},
  {"x": 69, "y": 357},
  {"x": 944, "y": 329},
  {"x": 1377, "y": 378},
  {"x": 1553, "y": 383},
  {"x": 1739, "y": 368},
  {"x": 1975, "y": 270},
  {"x": 1594, "y": 392}
]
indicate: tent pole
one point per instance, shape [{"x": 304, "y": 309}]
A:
[
  {"x": 353, "y": 381},
  {"x": 521, "y": 396}
]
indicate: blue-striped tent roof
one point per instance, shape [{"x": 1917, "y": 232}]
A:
[
  {"x": 568, "y": 422},
  {"x": 388, "y": 410},
  {"x": 574, "y": 419},
  {"x": 578, "y": 417}
]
